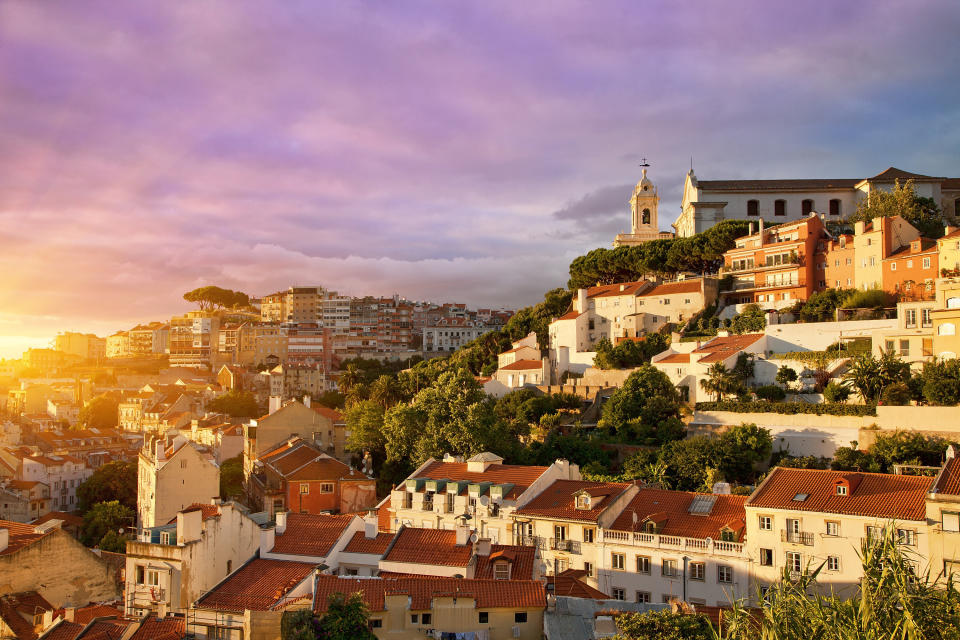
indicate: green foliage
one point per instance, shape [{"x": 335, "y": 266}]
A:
[
  {"x": 114, "y": 481},
  {"x": 896, "y": 394},
  {"x": 701, "y": 253},
  {"x": 786, "y": 375},
  {"x": 629, "y": 353},
  {"x": 231, "y": 477},
  {"x": 645, "y": 410},
  {"x": 789, "y": 408},
  {"x": 771, "y": 393},
  {"x": 922, "y": 213},
  {"x": 524, "y": 407},
  {"x": 835, "y": 392},
  {"x": 744, "y": 367},
  {"x": 579, "y": 447},
  {"x": 330, "y": 399},
  {"x": 114, "y": 541},
  {"x": 386, "y": 391},
  {"x": 751, "y": 320},
  {"x": 346, "y": 618},
  {"x": 237, "y": 404},
  {"x": 869, "y": 376},
  {"x": 100, "y": 413},
  {"x": 782, "y": 458},
  {"x": 298, "y": 624},
  {"x": 104, "y": 518},
  {"x": 869, "y": 299},
  {"x": 694, "y": 464},
  {"x": 941, "y": 382},
  {"x": 211, "y": 297},
  {"x": 901, "y": 447},
  {"x": 721, "y": 382},
  {"x": 663, "y": 625},
  {"x": 821, "y": 306}
]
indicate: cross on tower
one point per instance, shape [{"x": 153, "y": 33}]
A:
[{"x": 644, "y": 163}]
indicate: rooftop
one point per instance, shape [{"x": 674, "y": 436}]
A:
[
  {"x": 948, "y": 481},
  {"x": 668, "y": 288},
  {"x": 360, "y": 543},
  {"x": 310, "y": 534},
  {"x": 523, "y": 365},
  {"x": 520, "y": 476},
  {"x": 429, "y": 546},
  {"x": 521, "y": 561},
  {"x": 617, "y": 289},
  {"x": 256, "y": 586},
  {"x": 21, "y": 535},
  {"x": 722, "y": 347},
  {"x": 559, "y": 500},
  {"x": 675, "y": 513}
]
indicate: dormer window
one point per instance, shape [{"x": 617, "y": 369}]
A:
[
  {"x": 583, "y": 501},
  {"x": 501, "y": 571},
  {"x": 649, "y": 527},
  {"x": 842, "y": 489}
]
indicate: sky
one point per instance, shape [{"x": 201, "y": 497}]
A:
[{"x": 449, "y": 151}]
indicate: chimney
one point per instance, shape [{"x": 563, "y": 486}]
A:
[
  {"x": 581, "y": 300},
  {"x": 69, "y": 613},
  {"x": 306, "y": 400},
  {"x": 281, "y": 517},
  {"x": 859, "y": 227},
  {"x": 4, "y": 539},
  {"x": 463, "y": 535},
  {"x": 267, "y": 539},
  {"x": 760, "y": 230},
  {"x": 482, "y": 547},
  {"x": 189, "y": 526},
  {"x": 274, "y": 404},
  {"x": 161, "y": 450},
  {"x": 370, "y": 529}
]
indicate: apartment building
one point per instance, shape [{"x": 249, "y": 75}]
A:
[
  {"x": 943, "y": 513},
  {"x": 270, "y": 344},
  {"x": 910, "y": 271},
  {"x": 236, "y": 343},
  {"x": 948, "y": 252},
  {"x": 149, "y": 339},
  {"x": 194, "y": 339},
  {"x": 62, "y": 473},
  {"x": 84, "y": 345},
  {"x": 172, "y": 476},
  {"x": 118, "y": 345},
  {"x": 800, "y": 519},
  {"x": 946, "y": 318}
]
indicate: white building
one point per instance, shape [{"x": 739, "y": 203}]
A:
[
  {"x": 170, "y": 478},
  {"x": 62, "y": 473},
  {"x": 643, "y": 216}
]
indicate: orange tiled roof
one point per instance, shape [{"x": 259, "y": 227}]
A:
[
  {"x": 161, "y": 629},
  {"x": 616, "y": 289},
  {"x": 300, "y": 460},
  {"x": 106, "y": 629},
  {"x": 675, "y": 357},
  {"x": 488, "y": 594},
  {"x": 569, "y": 583},
  {"x": 670, "y": 509},
  {"x": 12, "y": 605},
  {"x": 310, "y": 534},
  {"x": 68, "y": 518},
  {"x": 557, "y": 500},
  {"x": 64, "y": 631},
  {"x": 721, "y": 348},
  {"x": 569, "y": 315},
  {"x": 256, "y": 586},
  {"x": 21, "y": 535},
  {"x": 331, "y": 414},
  {"x": 429, "y": 546},
  {"x": 926, "y": 246},
  {"x": 360, "y": 543},
  {"x": 877, "y": 495},
  {"x": 523, "y": 365},
  {"x": 208, "y": 510},
  {"x": 520, "y": 476},
  {"x": 948, "y": 481},
  {"x": 521, "y": 562},
  {"x": 83, "y": 615},
  {"x": 667, "y": 288}
]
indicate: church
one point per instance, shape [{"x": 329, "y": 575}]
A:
[{"x": 643, "y": 216}]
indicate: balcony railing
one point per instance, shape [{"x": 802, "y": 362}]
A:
[
  {"x": 680, "y": 543},
  {"x": 571, "y": 546},
  {"x": 797, "y": 537}
]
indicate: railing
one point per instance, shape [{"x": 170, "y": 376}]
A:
[
  {"x": 653, "y": 540},
  {"x": 565, "y": 545},
  {"x": 530, "y": 541},
  {"x": 147, "y": 593},
  {"x": 797, "y": 537}
]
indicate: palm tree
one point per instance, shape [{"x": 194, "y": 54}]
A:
[
  {"x": 349, "y": 377},
  {"x": 385, "y": 391},
  {"x": 863, "y": 376},
  {"x": 720, "y": 381}
]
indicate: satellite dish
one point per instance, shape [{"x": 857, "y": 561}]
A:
[
  {"x": 474, "y": 537},
  {"x": 709, "y": 540},
  {"x": 484, "y": 501}
]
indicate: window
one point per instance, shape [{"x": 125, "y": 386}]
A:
[
  {"x": 794, "y": 563},
  {"x": 483, "y": 617},
  {"x": 874, "y": 533},
  {"x": 893, "y": 266},
  {"x": 643, "y": 597},
  {"x": 806, "y": 207},
  {"x": 904, "y": 347},
  {"x": 583, "y": 501},
  {"x": 618, "y": 594},
  {"x": 841, "y": 489},
  {"x": 926, "y": 344},
  {"x": 925, "y": 318},
  {"x": 889, "y": 346},
  {"x": 724, "y": 574},
  {"x": 698, "y": 571},
  {"x": 414, "y": 618},
  {"x": 153, "y": 578},
  {"x": 835, "y": 207},
  {"x": 520, "y": 617},
  {"x": 352, "y": 572},
  {"x": 376, "y": 623},
  {"x": 766, "y": 557},
  {"x": 588, "y": 534},
  {"x": 501, "y": 571},
  {"x": 617, "y": 561},
  {"x": 911, "y": 318},
  {"x": 926, "y": 263},
  {"x": 669, "y": 568},
  {"x": 304, "y": 488},
  {"x": 833, "y": 528},
  {"x": 833, "y": 563},
  {"x": 950, "y": 521},
  {"x": 779, "y": 207},
  {"x": 766, "y": 523},
  {"x": 140, "y": 574},
  {"x": 753, "y": 207},
  {"x": 588, "y": 568},
  {"x": 643, "y": 563},
  {"x": 559, "y": 532},
  {"x": 426, "y": 618},
  {"x": 907, "y": 537}
]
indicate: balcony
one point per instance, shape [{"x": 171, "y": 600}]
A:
[
  {"x": 677, "y": 543},
  {"x": 571, "y": 546},
  {"x": 530, "y": 541},
  {"x": 797, "y": 537}
]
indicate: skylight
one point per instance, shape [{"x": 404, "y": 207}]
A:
[
  {"x": 800, "y": 497},
  {"x": 702, "y": 505}
]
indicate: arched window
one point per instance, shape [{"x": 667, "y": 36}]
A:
[
  {"x": 645, "y": 216},
  {"x": 835, "y": 207},
  {"x": 779, "y": 207},
  {"x": 947, "y": 329},
  {"x": 753, "y": 207},
  {"x": 806, "y": 207}
]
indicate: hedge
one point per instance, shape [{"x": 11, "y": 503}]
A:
[{"x": 789, "y": 408}]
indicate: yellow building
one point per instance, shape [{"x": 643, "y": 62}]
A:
[
  {"x": 946, "y": 318},
  {"x": 943, "y": 512},
  {"x": 875, "y": 240},
  {"x": 948, "y": 248}
]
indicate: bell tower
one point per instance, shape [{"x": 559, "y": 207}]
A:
[{"x": 643, "y": 206}]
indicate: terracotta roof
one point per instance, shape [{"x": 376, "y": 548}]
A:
[
  {"x": 68, "y": 518},
  {"x": 617, "y": 289},
  {"x": 520, "y": 476},
  {"x": 950, "y": 183},
  {"x": 429, "y": 546},
  {"x": 956, "y": 232},
  {"x": 256, "y": 586},
  {"x": 208, "y": 510},
  {"x": 310, "y": 534},
  {"x": 569, "y": 583},
  {"x": 83, "y": 615},
  {"x": 301, "y": 460},
  {"x": 21, "y": 535},
  {"x": 667, "y": 288},
  {"x": 877, "y": 495},
  {"x": 13, "y": 608},
  {"x": 111, "y": 629},
  {"x": 893, "y": 173},
  {"x": 671, "y": 511},
  {"x": 161, "y": 628},
  {"x": 64, "y": 631},
  {"x": 360, "y": 543},
  {"x": 721, "y": 348},
  {"x": 331, "y": 414},
  {"x": 777, "y": 185},
  {"x": 948, "y": 481},
  {"x": 521, "y": 561},
  {"x": 488, "y": 594},
  {"x": 523, "y": 365},
  {"x": 675, "y": 357},
  {"x": 569, "y": 315},
  {"x": 557, "y": 500},
  {"x": 926, "y": 246}
]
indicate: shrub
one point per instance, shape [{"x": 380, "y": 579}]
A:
[
  {"x": 789, "y": 408},
  {"x": 896, "y": 394},
  {"x": 835, "y": 392},
  {"x": 770, "y": 393}
]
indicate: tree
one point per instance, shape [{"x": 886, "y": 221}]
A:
[
  {"x": 365, "y": 422},
  {"x": 346, "y": 618},
  {"x": 751, "y": 320},
  {"x": 922, "y": 213},
  {"x": 350, "y": 376},
  {"x": 835, "y": 392},
  {"x": 785, "y": 376},
  {"x": 104, "y": 518},
  {"x": 237, "y": 404},
  {"x": 740, "y": 448},
  {"x": 645, "y": 409},
  {"x": 298, "y": 624},
  {"x": 231, "y": 477},
  {"x": 663, "y": 625},
  {"x": 386, "y": 391},
  {"x": 720, "y": 381},
  {"x": 100, "y": 413},
  {"x": 114, "y": 481},
  {"x": 941, "y": 382},
  {"x": 211, "y": 297}
]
